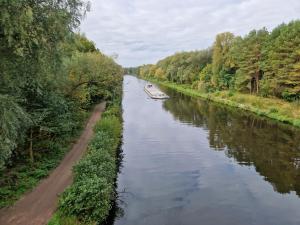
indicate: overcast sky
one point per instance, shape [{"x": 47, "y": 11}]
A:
[{"x": 144, "y": 31}]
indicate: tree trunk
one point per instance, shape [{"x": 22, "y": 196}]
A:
[
  {"x": 30, "y": 147},
  {"x": 257, "y": 82}
]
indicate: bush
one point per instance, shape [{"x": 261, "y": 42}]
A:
[
  {"x": 111, "y": 125},
  {"x": 102, "y": 140},
  {"x": 114, "y": 110},
  {"x": 89, "y": 198},
  {"x": 273, "y": 110},
  {"x": 101, "y": 164},
  {"x": 59, "y": 219},
  {"x": 231, "y": 93},
  {"x": 290, "y": 97}
]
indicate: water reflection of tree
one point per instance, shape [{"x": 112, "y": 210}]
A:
[{"x": 274, "y": 150}]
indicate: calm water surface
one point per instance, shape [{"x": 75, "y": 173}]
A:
[{"x": 190, "y": 162}]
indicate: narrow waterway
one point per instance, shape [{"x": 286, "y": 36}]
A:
[{"x": 191, "y": 162}]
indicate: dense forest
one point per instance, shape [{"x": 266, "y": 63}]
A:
[
  {"x": 51, "y": 76},
  {"x": 262, "y": 63}
]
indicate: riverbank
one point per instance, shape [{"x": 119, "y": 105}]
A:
[
  {"x": 43, "y": 198},
  {"x": 273, "y": 108},
  {"x": 91, "y": 196}
]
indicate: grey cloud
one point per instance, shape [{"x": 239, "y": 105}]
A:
[{"x": 144, "y": 31}]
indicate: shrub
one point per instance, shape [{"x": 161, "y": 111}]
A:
[
  {"x": 58, "y": 219},
  {"x": 273, "y": 110},
  {"x": 114, "y": 110},
  {"x": 90, "y": 196},
  {"x": 231, "y": 93},
  {"x": 297, "y": 123},
  {"x": 111, "y": 125},
  {"x": 89, "y": 199},
  {"x": 101, "y": 164},
  {"x": 102, "y": 140}
]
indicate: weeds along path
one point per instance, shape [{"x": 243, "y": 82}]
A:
[{"x": 37, "y": 206}]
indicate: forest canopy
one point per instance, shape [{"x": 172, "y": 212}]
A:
[
  {"x": 262, "y": 63},
  {"x": 50, "y": 76}
]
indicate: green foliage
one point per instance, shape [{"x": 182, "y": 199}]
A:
[
  {"x": 182, "y": 67},
  {"x": 110, "y": 125},
  {"x": 89, "y": 198},
  {"x": 58, "y": 219},
  {"x": 262, "y": 63},
  {"x": 93, "y": 76},
  {"x": 249, "y": 61},
  {"x": 31, "y": 35},
  {"x": 281, "y": 62},
  {"x": 103, "y": 165},
  {"x": 23, "y": 176},
  {"x": 221, "y": 64},
  {"x": 49, "y": 77},
  {"x": 113, "y": 110},
  {"x": 12, "y": 120}
]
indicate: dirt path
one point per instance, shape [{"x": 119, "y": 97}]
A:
[{"x": 37, "y": 206}]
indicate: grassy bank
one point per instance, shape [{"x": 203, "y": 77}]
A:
[
  {"x": 89, "y": 199},
  {"x": 22, "y": 176},
  {"x": 273, "y": 108}
]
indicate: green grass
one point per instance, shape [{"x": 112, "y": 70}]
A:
[
  {"x": 23, "y": 176},
  {"x": 58, "y": 219},
  {"x": 89, "y": 199},
  {"x": 273, "y": 108}
]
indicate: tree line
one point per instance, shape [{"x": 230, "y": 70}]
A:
[
  {"x": 50, "y": 76},
  {"x": 262, "y": 63}
]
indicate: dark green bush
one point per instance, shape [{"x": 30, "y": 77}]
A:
[
  {"x": 101, "y": 164},
  {"x": 90, "y": 196},
  {"x": 101, "y": 140},
  {"x": 273, "y": 110},
  {"x": 89, "y": 199}
]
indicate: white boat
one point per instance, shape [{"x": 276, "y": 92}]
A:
[{"x": 154, "y": 92}]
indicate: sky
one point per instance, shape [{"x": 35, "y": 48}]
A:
[{"x": 145, "y": 31}]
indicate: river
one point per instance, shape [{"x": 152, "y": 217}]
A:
[{"x": 187, "y": 161}]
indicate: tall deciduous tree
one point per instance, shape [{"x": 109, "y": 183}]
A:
[{"x": 220, "y": 58}]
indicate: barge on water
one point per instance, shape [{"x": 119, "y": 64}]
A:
[{"x": 154, "y": 92}]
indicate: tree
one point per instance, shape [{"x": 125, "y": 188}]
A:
[
  {"x": 220, "y": 58},
  {"x": 92, "y": 76},
  {"x": 258, "y": 63},
  {"x": 249, "y": 61},
  {"x": 282, "y": 62},
  {"x": 159, "y": 73},
  {"x": 13, "y": 119},
  {"x": 31, "y": 34},
  {"x": 205, "y": 79}
]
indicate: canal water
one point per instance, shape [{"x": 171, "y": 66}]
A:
[{"x": 191, "y": 162}]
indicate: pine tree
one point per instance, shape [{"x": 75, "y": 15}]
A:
[
  {"x": 249, "y": 61},
  {"x": 282, "y": 62}
]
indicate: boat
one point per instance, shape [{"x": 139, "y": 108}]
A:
[{"x": 154, "y": 92}]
